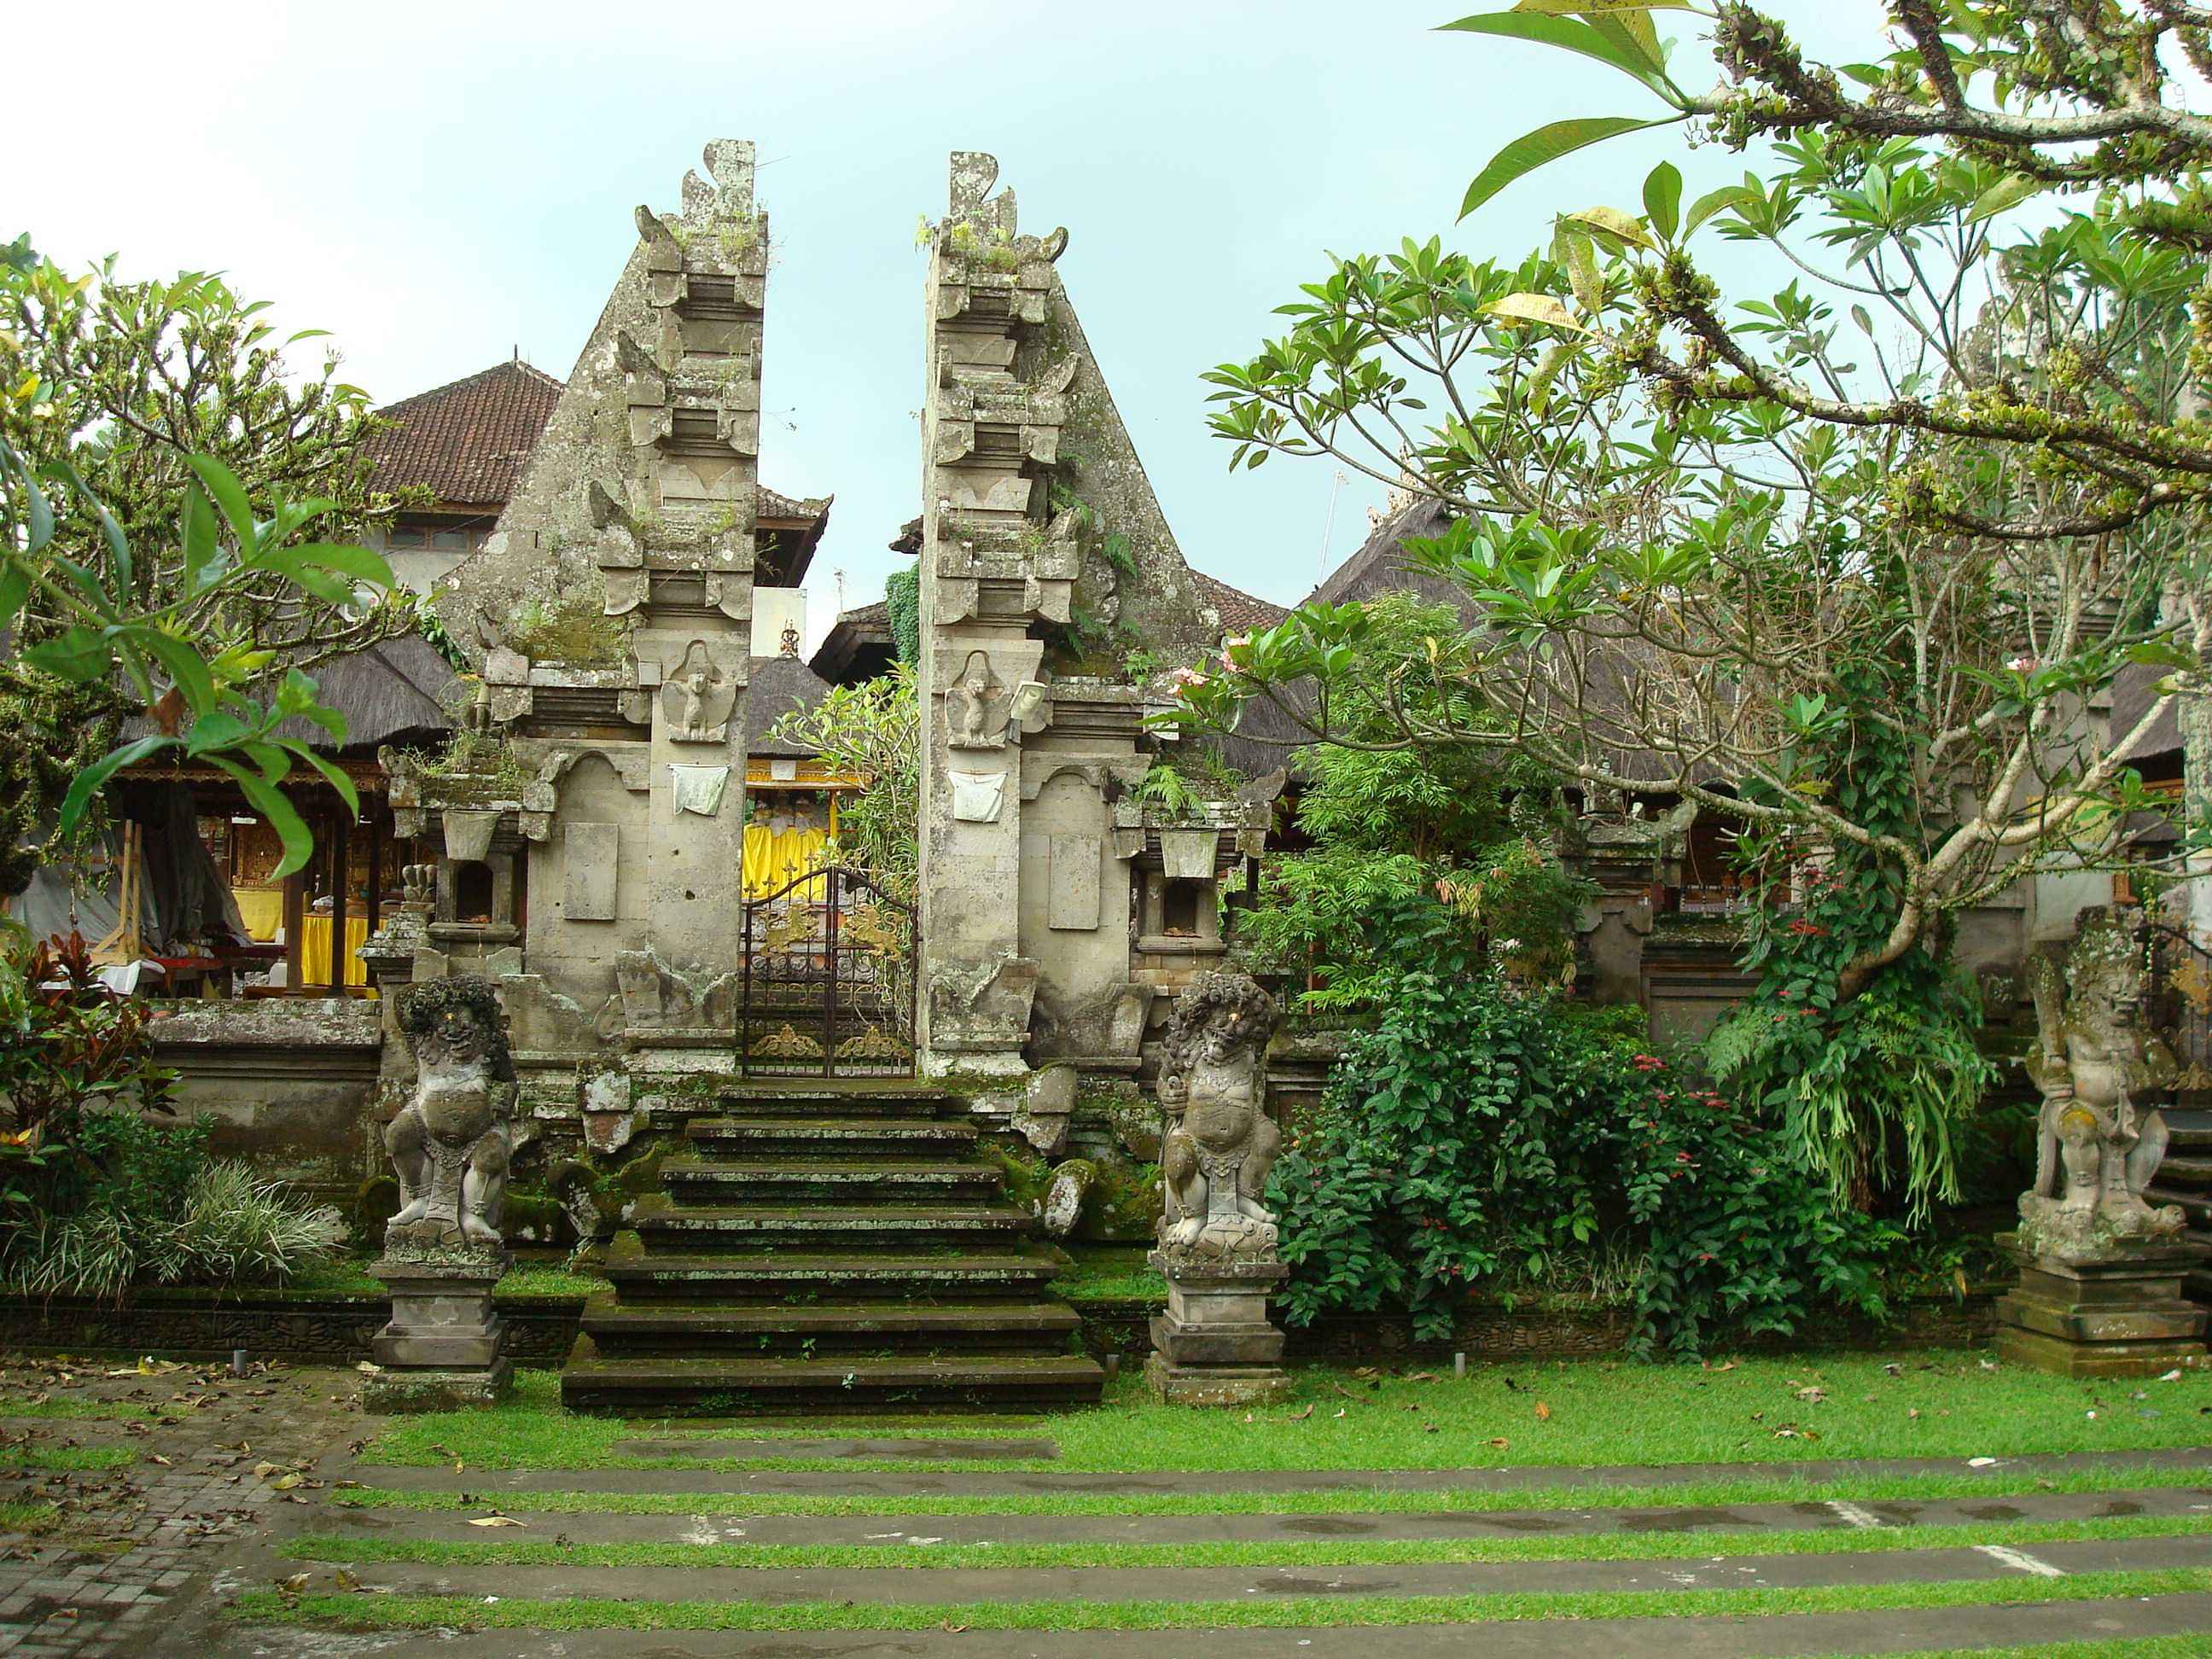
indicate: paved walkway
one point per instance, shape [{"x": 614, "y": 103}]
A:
[{"x": 203, "y": 1469}]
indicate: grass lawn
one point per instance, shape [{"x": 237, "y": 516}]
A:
[
  {"x": 1702, "y": 1542},
  {"x": 348, "y": 1277},
  {"x": 1939, "y": 1404},
  {"x": 367, "y": 1612},
  {"x": 72, "y": 1459}
]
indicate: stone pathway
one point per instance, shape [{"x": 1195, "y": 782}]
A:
[{"x": 211, "y": 1466}]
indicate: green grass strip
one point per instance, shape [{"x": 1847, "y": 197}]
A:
[
  {"x": 1702, "y": 1541},
  {"x": 366, "y": 1612},
  {"x": 1758, "y": 1409},
  {"x": 72, "y": 1458},
  {"x": 29, "y": 1515}
]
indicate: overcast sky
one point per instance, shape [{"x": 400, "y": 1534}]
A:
[{"x": 439, "y": 183}]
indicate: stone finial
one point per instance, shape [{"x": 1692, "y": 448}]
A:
[
  {"x": 730, "y": 195},
  {"x": 973, "y": 173}
]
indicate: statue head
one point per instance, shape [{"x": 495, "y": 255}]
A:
[
  {"x": 1218, "y": 1015},
  {"x": 456, "y": 1022},
  {"x": 976, "y": 676},
  {"x": 2104, "y": 971}
]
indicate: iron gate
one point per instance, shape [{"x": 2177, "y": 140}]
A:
[{"x": 828, "y": 987}]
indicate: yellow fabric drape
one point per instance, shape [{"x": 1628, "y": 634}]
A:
[
  {"x": 261, "y": 910},
  {"x": 773, "y": 857},
  {"x": 315, "y": 951}
]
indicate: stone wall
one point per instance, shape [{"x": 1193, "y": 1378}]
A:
[{"x": 291, "y": 1085}]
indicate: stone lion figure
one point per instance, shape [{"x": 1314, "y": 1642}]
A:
[
  {"x": 2096, "y": 1149},
  {"x": 1220, "y": 1144},
  {"x": 450, "y": 1142}
]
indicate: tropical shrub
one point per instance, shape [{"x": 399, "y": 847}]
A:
[{"x": 1483, "y": 1136}]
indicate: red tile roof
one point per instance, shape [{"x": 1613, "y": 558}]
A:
[
  {"x": 1240, "y": 611},
  {"x": 465, "y": 442}
]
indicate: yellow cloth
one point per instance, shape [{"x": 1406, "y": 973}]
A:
[
  {"x": 775, "y": 858},
  {"x": 797, "y": 852},
  {"x": 261, "y": 910},
  {"x": 315, "y": 951},
  {"x": 760, "y": 860}
]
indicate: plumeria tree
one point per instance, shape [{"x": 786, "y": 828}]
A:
[
  {"x": 1851, "y": 563},
  {"x": 176, "y": 525}
]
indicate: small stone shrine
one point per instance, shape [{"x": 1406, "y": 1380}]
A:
[
  {"x": 1214, "y": 1345},
  {"x": 443, "y": 1253},
  {"x": 2101, "y": 1270}
]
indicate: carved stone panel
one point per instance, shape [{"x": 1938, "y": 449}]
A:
[
  {"x": 1073, "y": 874},
  {"x": 591, "y": 858}
]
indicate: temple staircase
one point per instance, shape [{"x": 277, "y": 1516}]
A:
[
  {"x": 828, "y": 1245},
  {"x": 2185, "y": 1177}
]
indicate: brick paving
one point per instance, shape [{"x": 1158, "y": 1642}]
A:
[{"x": 131, "y": 1543}]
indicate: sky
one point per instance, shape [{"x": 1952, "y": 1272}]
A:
[{"x": 439, "y": 185}]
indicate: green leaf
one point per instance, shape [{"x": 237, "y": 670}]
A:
[
  {"x": 1615, "y": 223},
  {"x": 77, "y": 654},
  {"x": 230, "y": 495},
  {"x": 196, "y": 532},
  {"x": 87, "y": 783},
  {"x": 338, "y": 779},
  {"x": 358, "y": 563},
  {"x": 269, "y": 801},
  {"x": 1572, "y": 34},
  {"x": 1662, "y": 200},
  {"x": 187, "y": 668},
  {"x": 219, "y": 730},
  {"x": 41, "y": 513},
  {"x": 1533, "y": 309},
  {"x": 1547, "y": 144},
  {"x": 1712, "y": 202},
  {"x": 2009, "y": 192},
  {"x": 15, "y": 588}
]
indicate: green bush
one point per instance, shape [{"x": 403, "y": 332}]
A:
[
  {"x": 1483, "y": 1136},
  {"x": 137, "y": 1202}
]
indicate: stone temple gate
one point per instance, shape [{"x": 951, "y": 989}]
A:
[
  {"x": 595, "y": 807},
  {"x": 589, "y": 826}
]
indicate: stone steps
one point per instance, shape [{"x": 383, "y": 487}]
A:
[
  {"x": 703, "y": 1329},
  {"x": 852, "y": 1382},
  {"x": 698, "y": 1181},
  {"x": 662, "y": 1221},
  {"x": 758, "y": 1275},
  {"x": 828, "y": 1245},
  {"x": 844, "y": 1136}
]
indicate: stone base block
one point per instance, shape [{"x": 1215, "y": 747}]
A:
[
  {"x": 389, "y": 1393},
  {"x": 1215, "y": 1385},
  {"x": 2121, "y": 1314}
]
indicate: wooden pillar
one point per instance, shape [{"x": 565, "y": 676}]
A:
[
  {"x": 296, "y": 924},
  {"x": 341, "y": 821},
  {"x": 376, "y": 868}
]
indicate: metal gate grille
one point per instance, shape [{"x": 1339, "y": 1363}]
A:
[{"x": 828, "y": 987}]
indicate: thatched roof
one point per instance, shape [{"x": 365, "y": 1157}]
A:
[
  {"x": 1379, "y": 566},
  {"x": 779, "y": 685},
  {"x": 2133, "y": 691},
  {"x": 858, "y": 646},
  {"x": 391, "y": 691}
]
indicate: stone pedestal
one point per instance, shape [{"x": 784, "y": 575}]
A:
[
  {"x": 443, "y": 1348},
  {"x": 1214, "y": 1345},
  {"x": 2116, "y": 1313}
]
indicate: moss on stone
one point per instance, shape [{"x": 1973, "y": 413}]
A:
[
  {"x": 1123, "y": 1204},
  {"x": 1028, "y": 1175}
]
